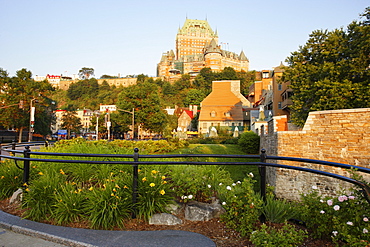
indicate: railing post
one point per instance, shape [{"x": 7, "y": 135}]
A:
[
  {"x": 13, "y": 146},
  {"x": 26, "y": 165},
  {"x": 135, "y": 182},
  {"x": 262, "y": 170}
]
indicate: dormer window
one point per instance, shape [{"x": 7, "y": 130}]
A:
[
  {"x": 227, "y": 114},
  {"x": 213, "y": 114}
]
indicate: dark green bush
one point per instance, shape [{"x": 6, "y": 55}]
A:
[{"x": 250, "y": 142}]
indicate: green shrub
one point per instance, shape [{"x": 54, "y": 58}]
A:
[
  {"x": 243, "y": 206},
  {"x": 270, "y": 236},
  {"x": 250, "y": 142},
  {"x": 343, "y": 218}
]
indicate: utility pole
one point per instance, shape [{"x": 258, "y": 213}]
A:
[{"x": 32, "y": 120}]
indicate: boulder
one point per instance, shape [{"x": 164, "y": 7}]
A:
[
  {"x": 164, "y": 219},
  {"x": 16, "y": 197},
  {"x": 200, "y": 211}
]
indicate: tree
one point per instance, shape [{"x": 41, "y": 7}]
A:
[
  {"x": 71, "y": 122},
  {"x": 331, "y": 71},
  {"x": 85, "y": 73},
  {"x": 194, "y": 97},
  {"x": 145, "y": 99},
  {"x": 22, "y": 88}
]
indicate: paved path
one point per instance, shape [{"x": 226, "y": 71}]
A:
[{"x": 13, "y": 230}]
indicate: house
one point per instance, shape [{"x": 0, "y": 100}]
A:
[
  {"x": 184, "y": 120},
  {"x": 223, "y": 107}
]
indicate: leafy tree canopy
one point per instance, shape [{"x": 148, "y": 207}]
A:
[
  {"x": 85, "y": 73},
  {"x": 331, "y": 71}
]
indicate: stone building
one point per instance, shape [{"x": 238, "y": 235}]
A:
[{"x": 196, "y": 48}]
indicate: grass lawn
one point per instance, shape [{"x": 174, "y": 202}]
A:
[{"x": 237, "y": 172}]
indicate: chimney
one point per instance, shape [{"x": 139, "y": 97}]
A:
[{"x": 190, "y": 107}]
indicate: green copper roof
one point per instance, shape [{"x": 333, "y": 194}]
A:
[{"x": 202, "y": 26}]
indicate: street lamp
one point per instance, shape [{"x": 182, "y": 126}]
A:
[
  {"x": 32, "y": 120},
  {"x": 133, "y": 121}
]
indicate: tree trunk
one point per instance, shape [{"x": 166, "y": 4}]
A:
[{"x": 20, "y": 134}]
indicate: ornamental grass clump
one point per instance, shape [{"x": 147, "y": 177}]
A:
[
  {"x": 10, "y": 178},
  {"x": 278, "y": 210}
]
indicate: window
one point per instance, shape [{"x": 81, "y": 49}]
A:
[
  {"x": 280, "y": 87},
  {"x": 279, "y": 105},
  {"x": 213, "y": 114},
  {"x": 204, "y": 125},
  {"x": 227, "y": 114},
  {"x": 265, "y": 75}
]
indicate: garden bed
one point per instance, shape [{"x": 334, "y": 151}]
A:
[{"x": 213, "y": 229}]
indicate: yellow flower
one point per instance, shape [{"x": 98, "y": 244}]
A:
[
  {"x": 164, "y": 182},
  {"x": 91, "y": 188},
  {"x": 154, "y": 172},
  {"x": 112, "y": 194},
  {"x": 152, "y": 184},
  {"x": 111, "y": 173},
  {"x": 114, "y": 190},
  {"x": 62, "y": 172},
  {"x": 79, "y": 190},
  {"x": 15, "y": 177},
  {"x": 27, "y": 189},
  {"x": 117, "y": 186},
  {"x": 33, "y": 166},
  {"x": 162, "y": 192},
  {"x": 76, "y": 192},
  {"x": 2, "y": 177},
  {"x": 163, "y": 177},
  {"x": 73, "y": 183},
  {"x": 138, "y": 170},
  {"x": 125, "y": 187},
  {"x": 25, "y": 184},
  {"x": 144, "y": 179},
  {"x": 104, "y": 185},
  {"x": 40, "y": 173}
]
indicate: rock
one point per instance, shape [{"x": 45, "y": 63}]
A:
[
  {"x": 164, "y": 219},
  {"x": 199, "y": 211},
  {"x": 174, "y": 208},
  {"x": 16, "y": 197}
]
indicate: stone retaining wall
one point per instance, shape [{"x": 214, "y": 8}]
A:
[{"x": 341, "y": 136}]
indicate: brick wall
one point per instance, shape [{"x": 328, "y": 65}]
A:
[{"x": 341, "y": 136}]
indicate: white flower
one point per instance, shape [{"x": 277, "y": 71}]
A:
[
  {"x": 336, "y": 207},
  {"x": 220, "y": 184},
  {"x": 238, "y": 182},
  {"x": 251, "y": 175},
  {"x": 321, "y": 201},
  {"x": 209, "y": 186},
  {"x": 223, "y": 203},
  {"x": 314, "y": 187},
  {"x": 190, "y": 196},
  {"x": 350, "y": 223},
  {"x": 233, "y": 184},
  {"x": 335, "y": 233},
  {"x": 366, "y": 219},
  {"x": 365, "y": 230},
  {"x": 322, "y": 212},
  {"x": 228, "y": 188}
]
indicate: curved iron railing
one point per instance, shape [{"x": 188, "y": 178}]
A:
[{"x": 134, "y": 160}]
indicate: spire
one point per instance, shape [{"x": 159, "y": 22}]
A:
[
  {"x": 212, "y": 48},
  {"x": 242, "y": 56}
]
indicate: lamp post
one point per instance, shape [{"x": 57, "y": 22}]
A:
[
  {"x": 133, "y": 121},
  {"x": 32, "y": 120}
]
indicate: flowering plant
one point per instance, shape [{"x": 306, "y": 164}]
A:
[{"x": 343, "y": 217}]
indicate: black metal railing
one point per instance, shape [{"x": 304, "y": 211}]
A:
[{"x": 134, "y": 160}]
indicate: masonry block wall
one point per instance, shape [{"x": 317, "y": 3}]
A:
[{"x": 341, "y": 136}]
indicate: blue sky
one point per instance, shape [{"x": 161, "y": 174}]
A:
[{"x": 128, "y": 37}]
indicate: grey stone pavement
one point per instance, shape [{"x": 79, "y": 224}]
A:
[{"x": 18, "y": 232}]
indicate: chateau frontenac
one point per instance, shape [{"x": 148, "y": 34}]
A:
[{"x": 196, "y": 48}]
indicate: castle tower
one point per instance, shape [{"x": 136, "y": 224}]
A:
[
  {"x": 213, "y": 56},
  {"x": 193, "y": 36}
]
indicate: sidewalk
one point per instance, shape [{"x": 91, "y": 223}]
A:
[{"x": 58, "y": 236}]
